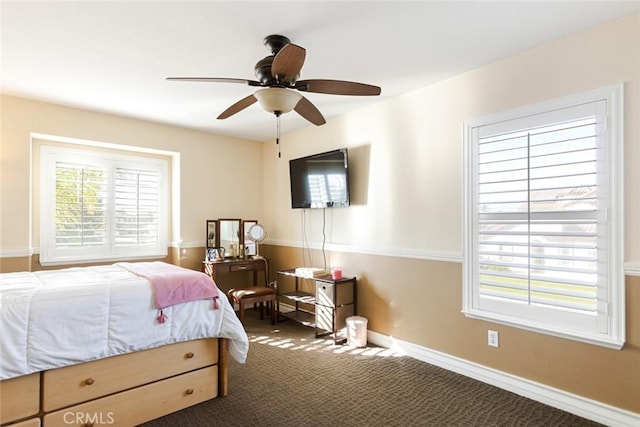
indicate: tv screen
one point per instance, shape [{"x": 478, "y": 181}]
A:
[{"x": 320, "y": 180}]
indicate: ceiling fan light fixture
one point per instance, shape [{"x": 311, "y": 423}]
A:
[{"x": 276, "y": 99}]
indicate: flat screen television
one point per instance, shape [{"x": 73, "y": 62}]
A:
[{"x": 320, "y": 180}]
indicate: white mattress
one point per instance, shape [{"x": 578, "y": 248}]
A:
[{"x": 50, "y": 319}]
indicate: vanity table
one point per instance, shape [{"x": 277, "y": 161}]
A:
[
  {"x": 216, "y": 269},
  {"x": 231, "y": 249}
]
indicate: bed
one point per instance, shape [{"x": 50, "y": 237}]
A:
[{"x": 93, "y": 345}]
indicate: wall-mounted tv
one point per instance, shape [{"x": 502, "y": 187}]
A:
[{"x": 320, "y": 180}]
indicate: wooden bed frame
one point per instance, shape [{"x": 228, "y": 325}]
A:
[{"x": 128, "y": 389}]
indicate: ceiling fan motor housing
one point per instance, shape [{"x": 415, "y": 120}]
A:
[{"x": 262, "y": 70}]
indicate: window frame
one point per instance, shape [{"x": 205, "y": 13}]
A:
[
  {"x": 611, "y": 332},
  {"x": 50, "y": 254}
]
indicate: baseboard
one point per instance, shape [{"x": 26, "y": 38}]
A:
[{"x": 578, "y": 405}]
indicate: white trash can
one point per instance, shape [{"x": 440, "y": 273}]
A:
[{"x": 357, "y": 331}]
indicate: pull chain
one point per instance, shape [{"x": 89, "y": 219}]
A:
[{"x": 278, "y": 133}]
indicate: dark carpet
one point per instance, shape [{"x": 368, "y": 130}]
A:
[{"x": 292, "y": 378}]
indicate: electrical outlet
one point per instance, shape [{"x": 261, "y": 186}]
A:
[{"x": 492, "y": 339}]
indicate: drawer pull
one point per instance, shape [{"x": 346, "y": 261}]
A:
[
  {"x": 89, "y": 381},
  {"x": 189, "y": 391},
  {"x": 188, "y": 355}
]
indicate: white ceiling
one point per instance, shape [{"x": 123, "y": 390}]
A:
[{"x": 114, "y": 56}]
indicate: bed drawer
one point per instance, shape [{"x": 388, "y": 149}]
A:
[
  {"x": 19, "y": 397},
  {"x": 133, "y": 407},
  {"x": 80, "y": 383}
]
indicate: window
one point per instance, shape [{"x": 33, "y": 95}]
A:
[
  {"x": 543, "y": 218},
  {"x": 99, "y": 206}
]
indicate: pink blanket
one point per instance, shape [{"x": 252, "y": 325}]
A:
[{"x": 173, "y": 284}]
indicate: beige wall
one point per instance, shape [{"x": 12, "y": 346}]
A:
[
  {"x": 203, "y": 159},
  {"x": 408, "y": 150},
  {"x": 403, "y": 234}
]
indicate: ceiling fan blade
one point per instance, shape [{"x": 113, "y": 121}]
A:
[
  {"x": 338, "y": 87},
  {"x": 215, "y": 80},
  {"x": 288, "y": 63},
  {"x": 238, "y": 106},
  {"x": 306, "y": 109}
]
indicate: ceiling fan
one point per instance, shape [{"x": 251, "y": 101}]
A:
[{"x": 277, "y": 75}]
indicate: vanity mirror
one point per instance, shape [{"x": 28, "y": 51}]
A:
[
  {"x": 229, "y": 236},
  {"x": 211, "y": 240},
  {"x": 256, "y": 234},
  {"x": 249, "y": 245}
]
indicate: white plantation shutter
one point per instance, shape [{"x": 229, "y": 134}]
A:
[
  {"x": 98, "y": 207},
  {"x": 80, "y": 205},
  {"x": 137, "y": 201},
  {"x": 541, "y": 249},
  {"x": 537, "y": 215}
]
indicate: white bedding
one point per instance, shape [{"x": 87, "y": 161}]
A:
[{"x": 50, "y": 319}]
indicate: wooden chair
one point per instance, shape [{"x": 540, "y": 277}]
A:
[{"x": 254, "y": 295}]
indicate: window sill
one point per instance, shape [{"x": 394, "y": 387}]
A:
[{"x": 79, "y": 261}]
